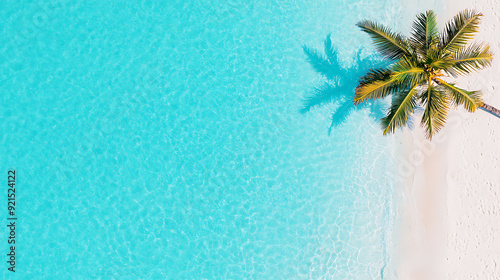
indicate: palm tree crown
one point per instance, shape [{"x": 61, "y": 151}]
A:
[{"x": 420, "y": 64}]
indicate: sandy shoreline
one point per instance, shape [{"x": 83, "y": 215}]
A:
[{"x": 450, "y": 209}]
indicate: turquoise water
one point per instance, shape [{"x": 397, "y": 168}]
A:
[{"x": 163, "y": 140}]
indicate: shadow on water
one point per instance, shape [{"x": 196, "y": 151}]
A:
[{"x": 340, "y": 83}]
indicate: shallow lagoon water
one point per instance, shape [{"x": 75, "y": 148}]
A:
[{"x": 163, "y": 140}]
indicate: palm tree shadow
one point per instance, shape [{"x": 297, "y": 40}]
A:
[{"x": 340, "y": 83}]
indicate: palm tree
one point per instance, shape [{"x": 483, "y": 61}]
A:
[
  {"x": 339, "y": 83},
  {"x": 420, "y": 64}
]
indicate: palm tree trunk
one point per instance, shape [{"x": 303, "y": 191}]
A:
[{"x": 490, "y": 109}]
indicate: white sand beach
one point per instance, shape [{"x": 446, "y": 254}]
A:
[{"x": 450, "y": 210}]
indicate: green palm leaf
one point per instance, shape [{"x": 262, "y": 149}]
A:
[
  {"x": 374, "y": 75},
  {"x": 389, "y": 44},
  {"x": 472, "y": 58},
  {"x": 402, "y": 73},
  {"x": 444, "y": 63},
  {"x": 471, "y": 100},
  {"x": 408, "y": 72},
  {"x": 401, "y": 108},
  {"x": 436, "y": 110},
  {"x": 424, "y": 32},
  {"x": 459, "y": 30},
  {"x": 375, "y": 90},
  {"x": 373, "y": 81}
]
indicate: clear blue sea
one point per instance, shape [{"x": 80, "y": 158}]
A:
[{"x": 164, "y": 140}]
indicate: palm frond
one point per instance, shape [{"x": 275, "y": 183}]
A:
[
  {"x": 407, "y": 71},
  {"x": 390, "y": 44},
  {"x": 472, "y": 58},
  {"x": 373, "y": 75},
  {"x": 436, "y": 110},
  {"x": 424, "y": 32},
  {"x": 400, "y": 111},
  {"x": 459, "y": 30},
  {"x": 375, "y": 90},
  {"x": 471, "y": 100},
  {"x": 382, "y": 82},
  {"x": 443, "y": 63}
]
